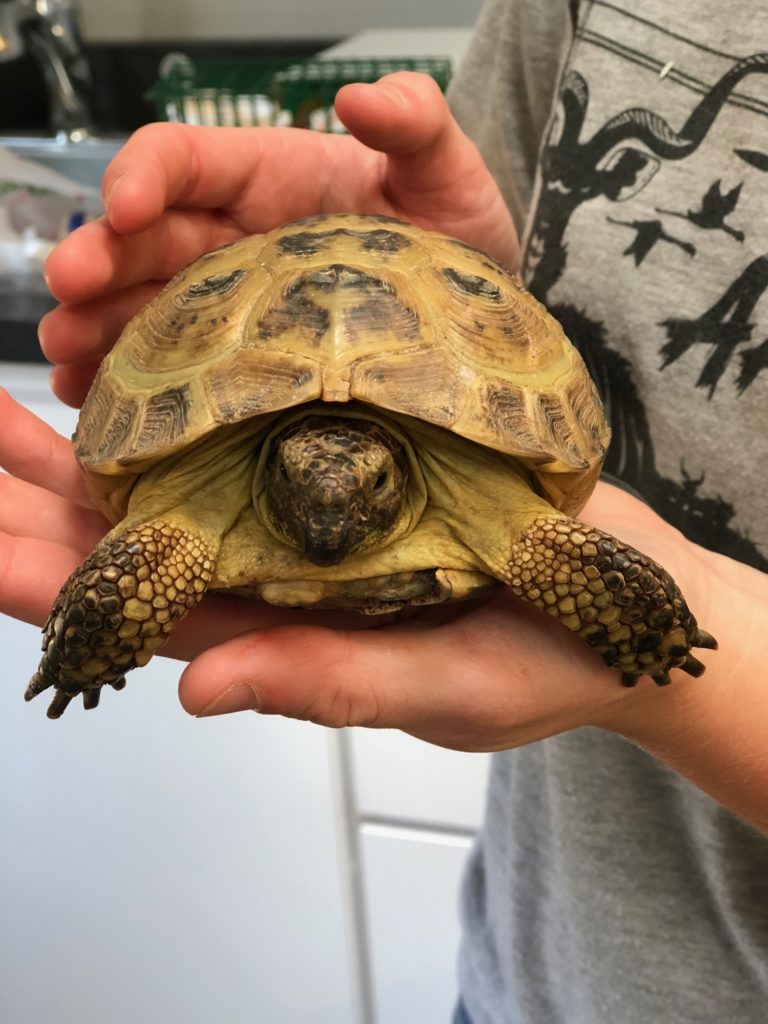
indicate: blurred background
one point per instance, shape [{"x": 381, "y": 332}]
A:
[
  {"x": 77, "y": 78},
  {"x": 156, "y": 868},
  {"x": 123, "y": 43}
]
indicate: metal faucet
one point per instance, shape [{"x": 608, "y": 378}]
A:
[{"x": 49, "y": 30}]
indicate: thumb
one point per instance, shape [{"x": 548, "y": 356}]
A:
[
  {"x": 433, "y": 172},
  {"x": 381, "y": 678},
  {"x": 403, "y": 114}
]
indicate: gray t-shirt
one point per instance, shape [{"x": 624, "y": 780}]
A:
[{"x": 630, "y": 141}]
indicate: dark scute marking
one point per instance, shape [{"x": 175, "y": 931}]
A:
[
  {"x": 166, "y": 416},
  {"x": 240, "y": 392},
  {"x": 472, "y": 284},
  {"x": 297, "y": 309},
  {"x": 309, "y": 243},
  {"x": 216, "y": 284},
  {"x": 117, "y": 427},
  {"x": 385, "y": 241},
  {"x": 587, "y": 410},
  {"x": 382, "y": 218},
  {"x": 337, "y": 275},
  {"x": 554, "y": 422},
  {"x": 508, "y": 416},
  {"x": 385, "y": 312}
]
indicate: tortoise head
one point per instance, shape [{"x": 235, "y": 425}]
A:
[{"x": 335, "y": 486}]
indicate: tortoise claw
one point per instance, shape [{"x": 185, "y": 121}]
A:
[
  {"x": 59, "y": 704},
  {"x": 91, "y": 698},
  {"x": 704, "y": 639},
  {"x": 693, "y": 666},
  {"x": 61, "y": 699},
  {"x": 36, "y": 685}
]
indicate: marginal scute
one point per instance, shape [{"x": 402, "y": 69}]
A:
[
  {"x": 166, "y": 415},
  {"x": 348, "y": 308},
  {"x": 508, "y": 414},
  {"x": 251, "y": 383}
]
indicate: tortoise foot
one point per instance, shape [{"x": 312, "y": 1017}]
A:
[
  {"x": 622, "y": 603},
  {"x": 117, "y": 610}
]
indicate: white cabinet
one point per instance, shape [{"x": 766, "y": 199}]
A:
[
  {"x": 411, "y": 889},
  {"x": 415, "y": 808},
  {"x": 158, "y": 868}
]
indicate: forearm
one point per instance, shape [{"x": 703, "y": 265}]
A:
[{"x": 714, "y": 730}]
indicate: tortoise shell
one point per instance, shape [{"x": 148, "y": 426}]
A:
[{"x": 344, "y": 308}]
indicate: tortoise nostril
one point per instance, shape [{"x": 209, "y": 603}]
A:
[{"x": 329, "y": 500}]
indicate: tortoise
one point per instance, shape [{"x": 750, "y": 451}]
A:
[{"x": 352, "y": 412}]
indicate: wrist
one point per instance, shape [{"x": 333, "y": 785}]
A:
[{"x": 712, "y": 729}]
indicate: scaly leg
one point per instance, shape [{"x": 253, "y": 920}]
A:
[
  {"x": 118, "y": 608},
  {"x": 624, "y": 605}
]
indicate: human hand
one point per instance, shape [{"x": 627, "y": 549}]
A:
[
  {"x": 176, "y": 191},
  {"x": 476, "y": 676}
]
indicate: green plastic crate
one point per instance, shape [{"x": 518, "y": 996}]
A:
[{"x": 272, "y": 92}]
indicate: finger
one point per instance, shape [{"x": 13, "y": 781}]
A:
[
  {"x": 239, "y": 170},
  {"x": 32, "y": 451},
  {"x": 402, "y": 114},
  {"x": 30, "y": 511},
  {"x": 88, "y": 330},
  {"x": 432, "y": 167},
  {"x": 332, "y": 677},
  {"x": 222, "y": 617},
  {"x": 72, "y": 381},
  {"x": 95, "y": 260},
  {"x": 31, "y": 574}
]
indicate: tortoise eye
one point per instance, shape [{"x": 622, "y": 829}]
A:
[
  {"x": 283, "y": 471},
  {"x": 380, "y": 480}
]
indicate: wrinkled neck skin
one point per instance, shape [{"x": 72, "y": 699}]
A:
[{"x": 205, "y": 487}]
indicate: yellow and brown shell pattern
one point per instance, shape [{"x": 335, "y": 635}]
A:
[{"x": 341, "y": 308}]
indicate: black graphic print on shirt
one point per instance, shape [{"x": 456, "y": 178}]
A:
[{"x": 648, "y": 241}]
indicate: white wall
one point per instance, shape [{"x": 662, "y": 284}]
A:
[{"x": 263, "y": 19}]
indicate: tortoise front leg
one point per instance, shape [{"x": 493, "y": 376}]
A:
[
  {"x": 622, "y": 603},
  {"x": 118, "y": 608}
]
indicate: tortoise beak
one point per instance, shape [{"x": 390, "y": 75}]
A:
[{"x": 325, "y": 545}]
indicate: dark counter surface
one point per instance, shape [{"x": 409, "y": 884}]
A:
[{"x": 19, "y": 317}]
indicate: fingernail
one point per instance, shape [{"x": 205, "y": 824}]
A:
[
  {"x": 239, "y": 697},
  {"x": 108, "y": 195},
  {"x": 393, "y": 92},
  {"x": 42, "y": 331}
]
